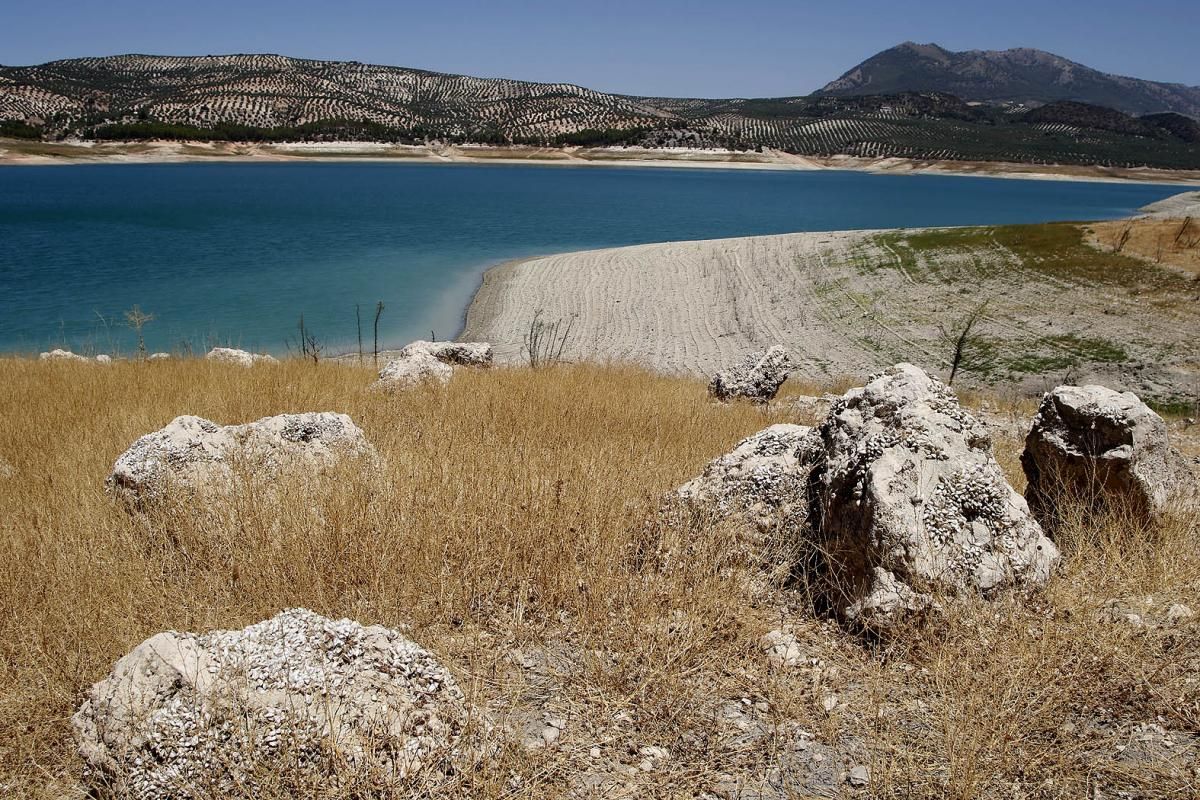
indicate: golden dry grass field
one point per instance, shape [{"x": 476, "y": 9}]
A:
[{"x": 514, "y": 529}]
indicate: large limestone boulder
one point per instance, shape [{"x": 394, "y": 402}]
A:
[
  {"x": 229, "y": 355},
  {"x": 413, "y": 370},
  {"x": 764, "y": 479},
  {"x": 188, "y": 715},
  {"x": 195, "y": 453},
  {"x": 465, "y": 354},
  {"x": 757, "y": 377},
  {"x": 1104, "y": 448},
  {"x": 909, "y": 503}
]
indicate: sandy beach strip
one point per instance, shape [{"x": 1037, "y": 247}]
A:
[{"x": 687, "y": 307}]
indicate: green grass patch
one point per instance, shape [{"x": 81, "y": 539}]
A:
[{"x": 1053, "y": 353}]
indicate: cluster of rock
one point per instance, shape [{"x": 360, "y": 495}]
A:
[
  {"x": 186, "y": 715},
  {"x": 899, "y": 492},
  {"x": 432, "y": 362},
  {"x": 194, "y": 453},
  {"x": 756, "y": 378},
  {"x": 58, "y": 354},
  {"x": 242, "y": 358},
  {"x": 1104, "y": 449}
]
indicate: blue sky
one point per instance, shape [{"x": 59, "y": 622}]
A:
[{"x": 707, "y": 48}]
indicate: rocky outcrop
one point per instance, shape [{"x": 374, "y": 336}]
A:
[
  {"x": 1102, "y": 448},
  {"x": 229, "y": 355},
  {"x": 413, "y": 370},
  {"x": 189, "y": 715},
  {"x": 758, "y": 377},
  {"x": 764, "y": 479},
  {"x": 195, "y": 453},
  {"x": 909, "y": 502},
  {"x": 463, "y": 354}
]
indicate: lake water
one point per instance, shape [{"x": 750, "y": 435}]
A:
[{"x": 236, "y": 253}]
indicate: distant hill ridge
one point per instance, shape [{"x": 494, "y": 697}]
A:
[
  {"x": 276, "y": 98},
  {"x": 1021, "y": 75}
]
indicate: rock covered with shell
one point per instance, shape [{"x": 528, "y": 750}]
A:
[
  {"x": 463, "y": 354},
  {"x": 188, "y": 715},
  {"x": 195, "y": 453},
  {"x": 413, "y": 370},
  {"x": 909, "y": 502},
  {"x": 1103, "y": 448},
  {"x": 764, "y": 478},
  {"x": 757, "y": 377},
  {"x": 242, "y": 358}
]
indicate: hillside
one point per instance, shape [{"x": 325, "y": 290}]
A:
[
  {"x": 267, "y": 98},
  {"x": 1018, "y": 76}
]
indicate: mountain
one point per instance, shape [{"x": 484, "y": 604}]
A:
[
  {"x": 269, "y": 98},
  {"x": 1018, "y": 76}
]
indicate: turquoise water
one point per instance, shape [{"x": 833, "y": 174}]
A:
[{"x": 235, "y": 253}]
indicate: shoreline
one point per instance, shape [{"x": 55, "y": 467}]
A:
[
  {"x": 840, "y": 301},
  {"x": 29, "y": 153}
]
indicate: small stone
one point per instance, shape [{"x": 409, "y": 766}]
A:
[
  {"x": 782, "y": 649},
  {"x": 550, "y": 734},
  {"x": 594, "y": 752},
  {"x": 1178, "y": 612},
  {"x": 829, "y": 702},
  {"x": 859, "y": 776}
]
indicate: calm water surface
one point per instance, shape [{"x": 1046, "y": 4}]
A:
[{"x": 235, "y": 253}]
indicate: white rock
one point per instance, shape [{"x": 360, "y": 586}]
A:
[
  {"x": 229, "y": 355},
  {"x": 194, "y": 453},
  {"x": 187, "y": 715},
  {"x": 910, "y": 502},
  {"x": 62, "y": 355},
  {"x": 757, "y": 377},
  {"x": 465, "y": 354},
  {"x": 413, "y": 370},
  {"x": 1104, "y": 448},
  {"x": 859, "y": 776},
  {"x": 158, "y": 356},
  {"x": 782, "y": 649},
  {"x": 6, "y": 469},
  {"x": 1178, "y": 612},
  {"x": 104, "y": 359},
  {"x": 764, "y": 478}
]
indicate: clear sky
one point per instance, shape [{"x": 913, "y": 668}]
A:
[{"x": 707, "y": 48}]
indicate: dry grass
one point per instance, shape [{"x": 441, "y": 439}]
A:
[
  {"x": 1163, "y": 241},
  {"x": 510, "y": 530}
]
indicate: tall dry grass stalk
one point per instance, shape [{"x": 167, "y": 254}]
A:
[{"x": 514, "y": 529}]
